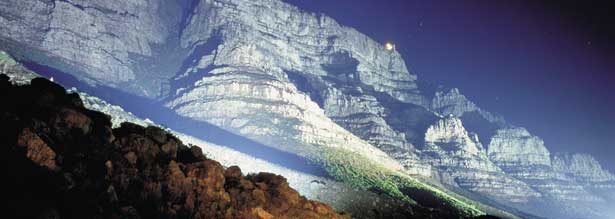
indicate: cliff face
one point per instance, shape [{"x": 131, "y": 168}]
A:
[
  {"x": 586, "y": 171},
  {"x": 581, "y": 166},
  {"x": 557, "y": 182},
  {"x": 526, "y": 158},
  {"x": 452, "y": 102},
  {"x": 462, "y": 159},
  {"x": 101, "y": 42},
  {"x": 64, "y": 161},
  {"x": 516, "y": 148},
  {"x": 295, "y": 81},
  {"x": 271, "y": 62}
]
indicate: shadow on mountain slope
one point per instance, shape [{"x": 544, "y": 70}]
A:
[{"x": 147, "y": 108}]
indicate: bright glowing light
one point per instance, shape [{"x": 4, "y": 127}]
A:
[{"x": 389, "y": 46}]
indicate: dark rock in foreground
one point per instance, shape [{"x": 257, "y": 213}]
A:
[{"x": 60, "y": 160}]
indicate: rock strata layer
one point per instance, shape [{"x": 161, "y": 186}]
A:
[{"x": 462, "y": 161}]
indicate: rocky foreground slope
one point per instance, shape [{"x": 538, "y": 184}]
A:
[{"x": 61, "y": 160}]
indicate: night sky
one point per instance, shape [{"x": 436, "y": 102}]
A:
[{"x": 548, "y": 66}]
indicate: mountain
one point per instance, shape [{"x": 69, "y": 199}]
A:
[
  {"x": 302, "y": 84},
  {"x": 342, "y": 197},
  {"x": 462, "y": 160},
  {"x": 295, "y": 125},
  {"x": 560, "y": 191}
]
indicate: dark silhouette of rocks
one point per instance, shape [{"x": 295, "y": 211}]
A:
[{"x": 60, "y": 160}]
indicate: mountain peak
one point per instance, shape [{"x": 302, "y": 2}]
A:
[
  {"x": 452, "y": 102},
  {"x": 581, "y": 166},
  {"x": 516, "y": 147},
  {"x": 450, "y": 130}
]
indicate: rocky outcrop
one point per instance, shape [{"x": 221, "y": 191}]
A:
[
  {"x": 64, "y": 161},
  {"x": 582, "y": 167},
  {"x": 515, "y": 148},
  {"x": 452, "y": 103},
  {"x": 451, "y": 130},
  {"x": 456, "y": 104},
  {"x": 111, "y": 43},
  {"x": 475, "y": 119},
  {"x": 460, "y": 157},
  {"x": 526, "y": 158},
  {"x": 586, "y": 171}
]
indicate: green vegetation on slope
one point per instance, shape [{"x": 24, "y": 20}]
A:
[
  {"x": 5, "y": 58},
  {"x": 364, "y": 174}
]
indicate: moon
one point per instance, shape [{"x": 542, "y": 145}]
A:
[{"x": 389, "y": 46}]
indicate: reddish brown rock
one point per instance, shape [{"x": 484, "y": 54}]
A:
[
  {"x": 73, "y": 119},
  {"x": 36, "y": 150}
]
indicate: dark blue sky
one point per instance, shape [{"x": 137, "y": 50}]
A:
[{"x": 546, "y": 65}]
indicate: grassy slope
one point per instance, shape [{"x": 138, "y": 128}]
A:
[
  {"x": 5, "y": 58},
  {"x": 365, "y": 174}
]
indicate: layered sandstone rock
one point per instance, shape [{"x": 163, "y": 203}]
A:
[{"x": 460, "y": 155}]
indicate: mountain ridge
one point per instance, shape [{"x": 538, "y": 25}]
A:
[{"x": 362, "y": 205}]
